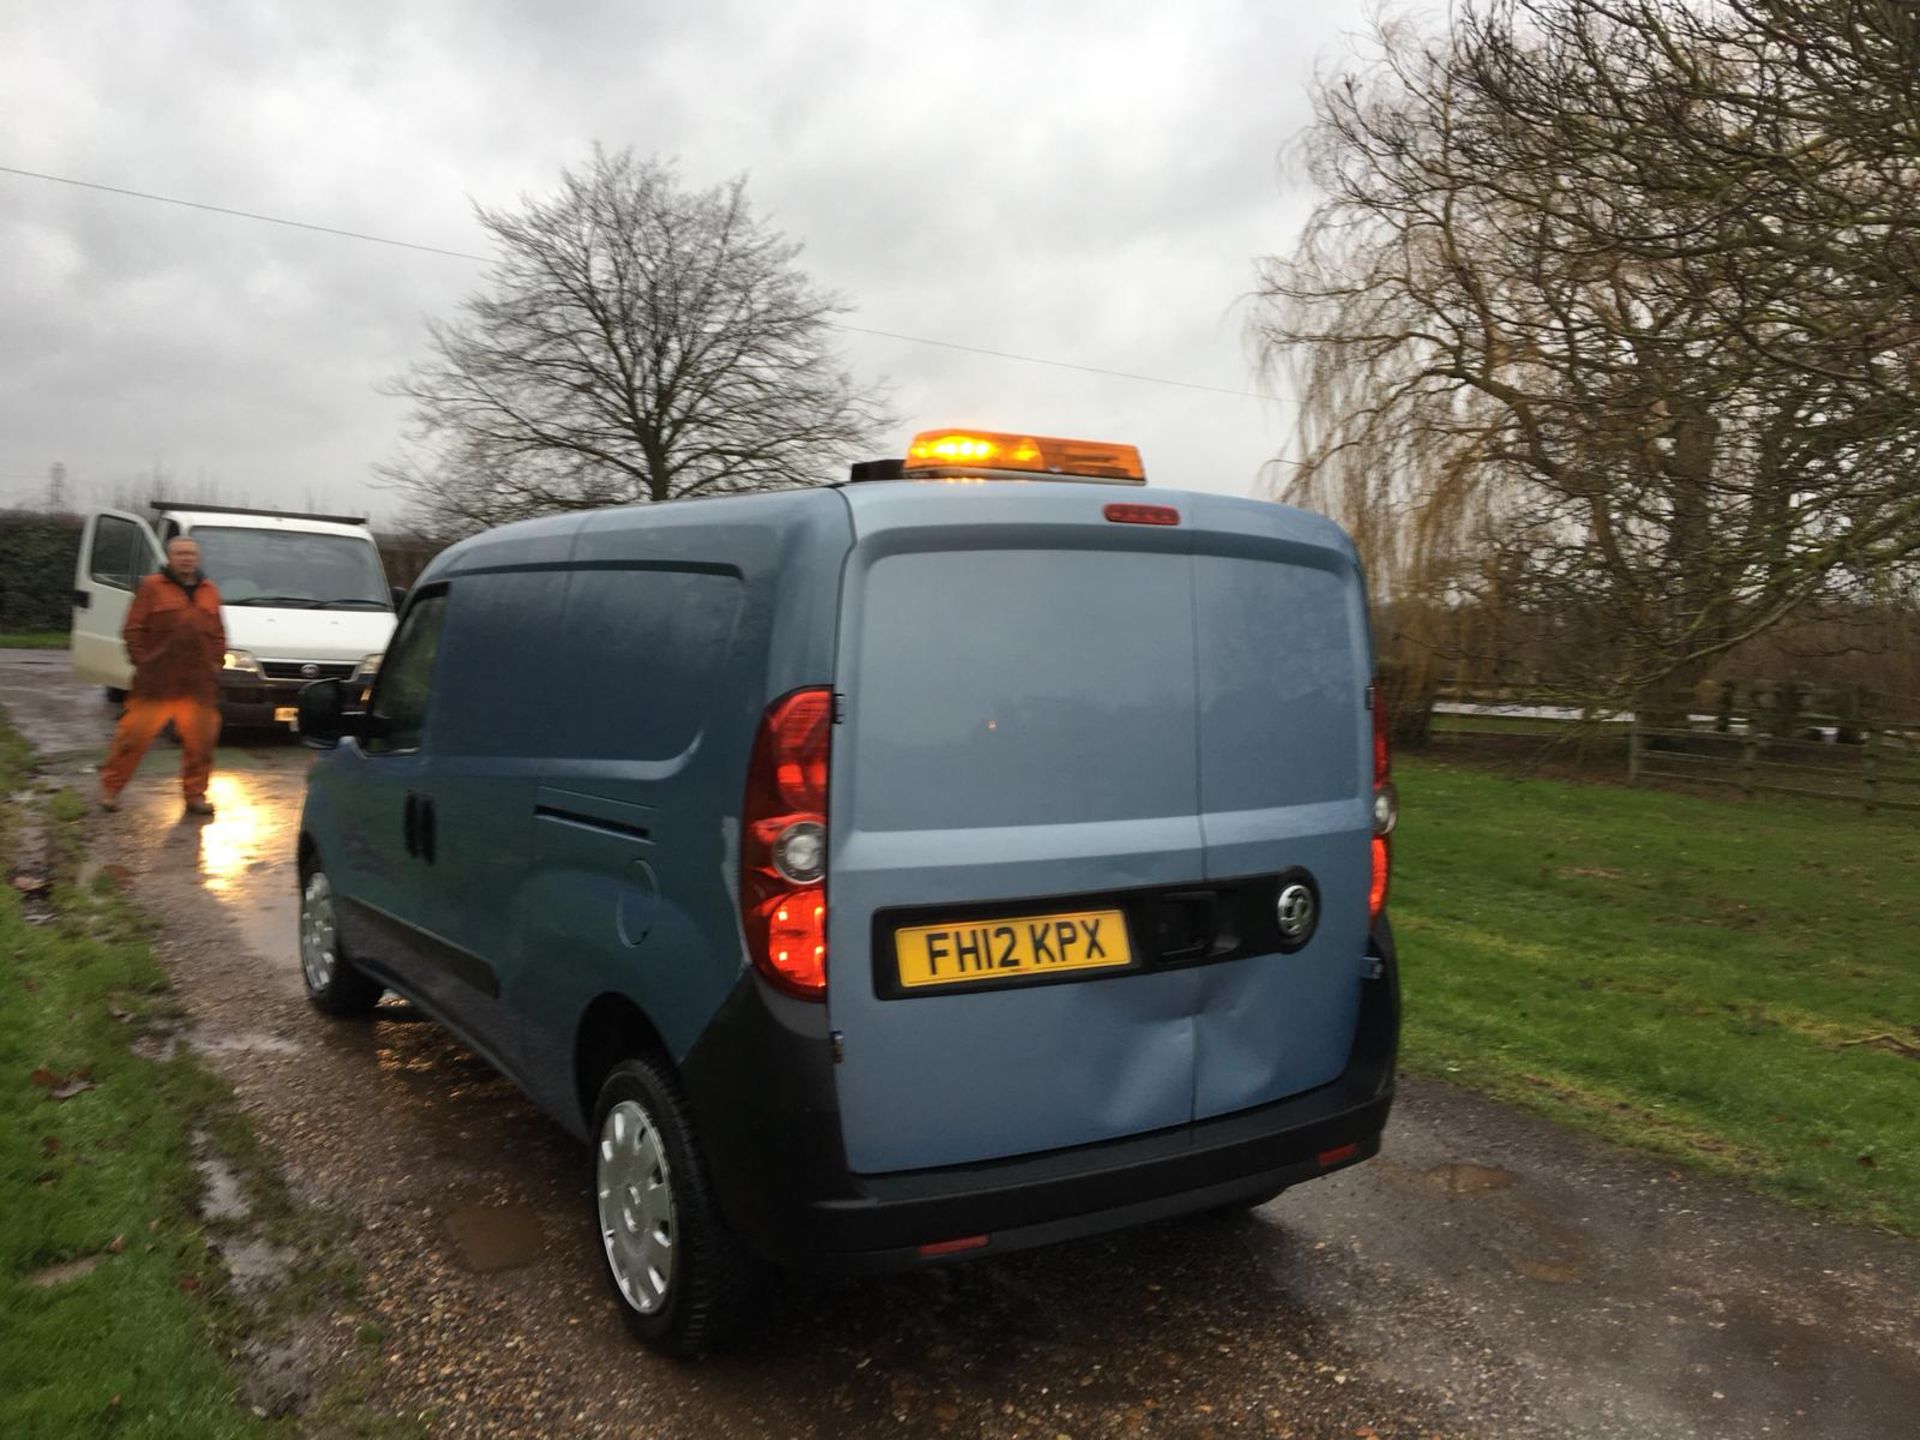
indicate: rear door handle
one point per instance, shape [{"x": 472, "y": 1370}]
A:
[
  {"x": 1202, "y": 911},
  {"x": 410, "y": 823}
]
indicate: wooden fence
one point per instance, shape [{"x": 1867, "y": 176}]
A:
[
  {"x": 1783, "y": 738},
  {"x": 1756, "y": 736}
]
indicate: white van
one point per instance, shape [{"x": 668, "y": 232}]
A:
[{"x": 304, "y": 597}]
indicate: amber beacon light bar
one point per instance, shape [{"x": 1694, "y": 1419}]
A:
[{"x": 989, "y": 455}]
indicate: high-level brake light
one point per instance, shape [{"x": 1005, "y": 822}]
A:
[
  {"x": 783, "y": 844},
  {"x": 1142, "y": 514},
  {"x": 981, "y": 454}
]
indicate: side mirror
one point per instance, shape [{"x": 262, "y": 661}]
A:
[
  {"x": 399, "y": 598},
  {"x": 323, "y": 716}
]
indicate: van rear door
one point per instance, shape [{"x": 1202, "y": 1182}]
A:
[
  {"x": 1019, "y": 743},
  {"x": 1286, "y": 786},
  {"x": 117, "y": 551},
  {"x": 1050, "y": 717}
]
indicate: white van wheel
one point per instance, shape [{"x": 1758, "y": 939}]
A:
[
  {"x": 683, "y": 1281},
  {"x": 333, "y": 983}
]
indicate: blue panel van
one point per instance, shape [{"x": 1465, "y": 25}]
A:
[{"x": 883, "y": 874}]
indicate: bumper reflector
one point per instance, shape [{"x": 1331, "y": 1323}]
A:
[
  {"x": 1337, "y": 1154},
  {"x": 952, "y": 1247}
]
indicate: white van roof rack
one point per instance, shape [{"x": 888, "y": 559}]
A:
[{"x": 253, "y": 510}]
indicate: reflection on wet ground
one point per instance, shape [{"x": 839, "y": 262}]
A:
[{"x": 250, "y": 830}]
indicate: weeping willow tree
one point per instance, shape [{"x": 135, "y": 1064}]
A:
[{"x": 1607, "y": 328}]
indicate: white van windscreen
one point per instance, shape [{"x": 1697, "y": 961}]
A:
[
  {"x": 1023, "y": 687},
  {"x": 300, "y": 568}
]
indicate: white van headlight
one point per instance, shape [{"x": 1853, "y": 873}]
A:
[
  {"x": 370, "y": 664},
  {"x": 240, "y": 660}
]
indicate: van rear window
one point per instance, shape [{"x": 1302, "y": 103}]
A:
[{"x": 1024, "y": 687}]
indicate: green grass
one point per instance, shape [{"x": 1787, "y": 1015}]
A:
[
  {"x": 1734, "y": 985},
  {"x": 33, "y": 639},
  {"x": 1449, "y": 724},
  {"x": 130, "y": 1348}
]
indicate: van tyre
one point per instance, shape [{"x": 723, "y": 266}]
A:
[
  {"x": 683, "y": 1282},
  {"x": 334, "y": 983}
]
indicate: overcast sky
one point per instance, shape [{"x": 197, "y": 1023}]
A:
[{"x": 1087, "y": 182}]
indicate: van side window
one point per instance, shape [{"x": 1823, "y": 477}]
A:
[
  {"x": 656, "y": 642},
  {"x": 117, "y": 558},
  {"x": 400, "y": 694}
]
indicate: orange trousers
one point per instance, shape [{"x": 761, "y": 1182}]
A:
[{"x": 194, "y": 721}]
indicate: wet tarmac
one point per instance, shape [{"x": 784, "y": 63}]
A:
[{"x": 1490, "y": 1275}]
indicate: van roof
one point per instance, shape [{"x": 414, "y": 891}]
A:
[
  {"x": 195, "y": 517},
  {"x": 875, "y": 506}
]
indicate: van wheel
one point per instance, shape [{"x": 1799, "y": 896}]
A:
[
  {"x": 334, "y": 984},
  {"x": 683, "y": 1282}
]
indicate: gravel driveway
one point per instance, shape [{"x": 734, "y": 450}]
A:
[{"x": 1490, "y": 1275}]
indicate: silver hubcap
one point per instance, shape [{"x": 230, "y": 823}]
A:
[
  {"x": 635, "y": 1189},
  {"x": 318, "y": 955}
]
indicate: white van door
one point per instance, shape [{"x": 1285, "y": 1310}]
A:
[{"x": 117, "y": 551}]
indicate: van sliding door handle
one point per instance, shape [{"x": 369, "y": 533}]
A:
[{"x": 418, "y": 823}]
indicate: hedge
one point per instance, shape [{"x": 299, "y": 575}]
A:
[{"x": 37, "y": 557}]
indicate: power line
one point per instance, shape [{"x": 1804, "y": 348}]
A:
[
  {"x": 1057, "y": 364},
  {"x": 240, "y": 214},
  {"x": 481, "y": 260}
]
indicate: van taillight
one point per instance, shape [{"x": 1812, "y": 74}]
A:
[
  {"x": 783, "y": 844},
  {"x": 1386, "y": 805}
]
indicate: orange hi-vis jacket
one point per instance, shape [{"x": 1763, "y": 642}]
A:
[{"x": 176, "y": 640}]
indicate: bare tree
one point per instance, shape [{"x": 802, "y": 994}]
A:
[
  {"x": 1610, "y": 313},
  {"x": 636, "y": 341}
]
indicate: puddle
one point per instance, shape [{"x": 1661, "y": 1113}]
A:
[
  {"x": 67, "y": 1270},
  {"x": 223, "y": 1196},
  {"x": 160, "y": 1043},
  {"x": 1463, "y": 1177},
  {"x": 245, "y": 1043},
  {"x": 496, "y": 1237},
  {"x": 254, "y": 1265}
]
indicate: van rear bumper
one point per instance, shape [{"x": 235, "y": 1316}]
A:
[{"x": 761, "y": 1086}]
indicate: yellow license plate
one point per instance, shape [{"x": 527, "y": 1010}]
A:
[
  {"x": 965, "y": 952},
  {"x": 285, "y": 714}
]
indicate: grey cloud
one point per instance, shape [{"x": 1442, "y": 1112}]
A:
[{"x": 1084, "y": 181}]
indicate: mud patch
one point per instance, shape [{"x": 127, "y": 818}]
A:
[
  {"x": 1464, "y": 1177},
  {"x": 279, "y": 1375},
  {"x": 65, "y": 1271},
  {"x": 496, "y": 1237},
  {"x": 1892, "y": 1044},
  {"x": 159, "y": 1043}
]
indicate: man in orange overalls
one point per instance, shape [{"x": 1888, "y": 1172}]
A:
[{"x": 176, "y": 642}]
